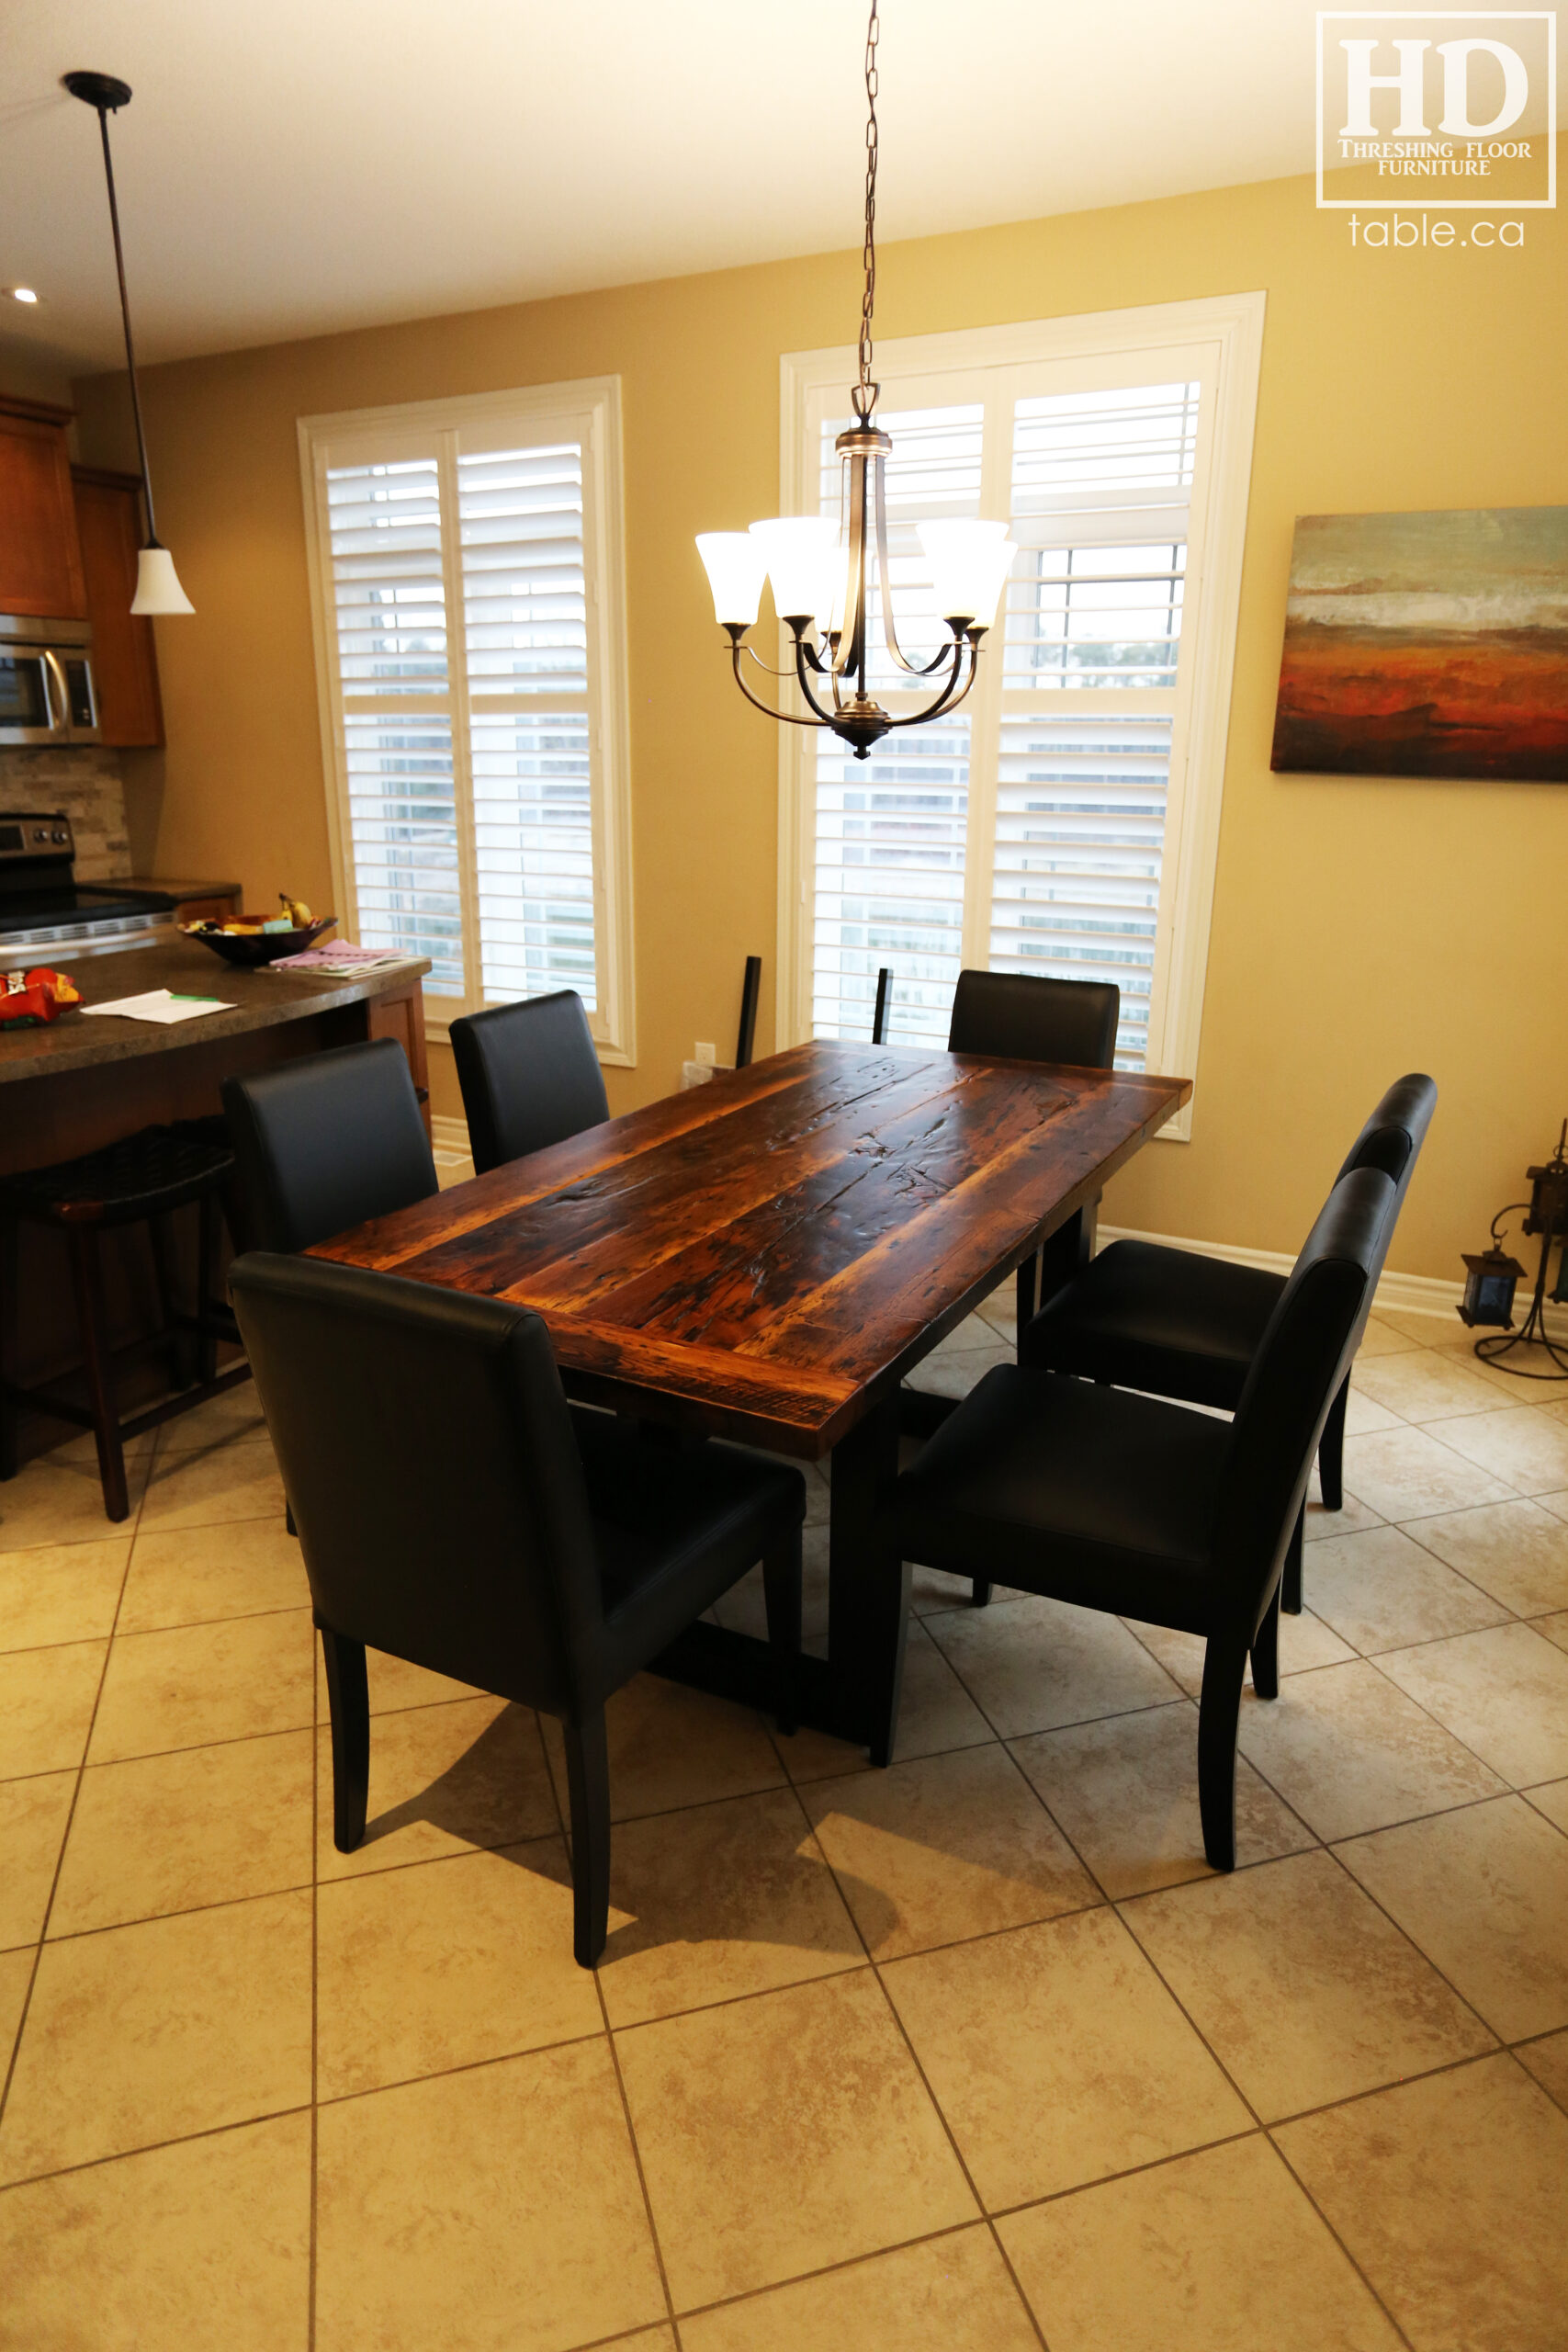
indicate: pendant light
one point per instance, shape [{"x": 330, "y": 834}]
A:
[
  {"x": 158, "y": 588},
  {"x": 819, "y": 567}
]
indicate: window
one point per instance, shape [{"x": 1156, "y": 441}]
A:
[
  {"x": 1064, "y": 819},
  {"x": 466, "y": 584}
]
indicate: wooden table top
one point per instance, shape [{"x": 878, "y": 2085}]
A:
[{"x": 766, "y": 1256}]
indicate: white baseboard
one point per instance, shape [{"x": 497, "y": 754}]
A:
[{"x": 1405, "y": 1293}]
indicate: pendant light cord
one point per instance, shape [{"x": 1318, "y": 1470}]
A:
[
  {"x": 866, "y": 391},
  {"x": 152, "y": 538}
]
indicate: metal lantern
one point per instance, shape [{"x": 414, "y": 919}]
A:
[{"x": 1489, "y": 1289}]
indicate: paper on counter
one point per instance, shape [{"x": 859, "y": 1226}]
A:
[{"x": 158, "y": 1004}]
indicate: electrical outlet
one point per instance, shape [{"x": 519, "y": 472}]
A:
[{"x": 706, "y": 1056}]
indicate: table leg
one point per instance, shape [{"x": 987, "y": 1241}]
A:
[{"x": 868, "y": 1584}]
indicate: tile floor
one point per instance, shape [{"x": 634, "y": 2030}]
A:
[{"x": 970, "y": 2055}]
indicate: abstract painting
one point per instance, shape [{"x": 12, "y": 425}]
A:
[{"x": 1430, "y": 645}]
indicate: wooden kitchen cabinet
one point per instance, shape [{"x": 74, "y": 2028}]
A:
[
  {"x": 125, "y": 666},
  {"x": 41, "y": 556}
]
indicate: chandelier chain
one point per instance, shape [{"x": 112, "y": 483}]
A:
[{"x": 866, "y": 395}]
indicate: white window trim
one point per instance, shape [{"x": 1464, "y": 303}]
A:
[
  {"x": 1231, "y": 328},
  {"x": 598, "y": 398}
]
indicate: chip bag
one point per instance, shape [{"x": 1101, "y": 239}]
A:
[{"x": 31, "y": 1000}]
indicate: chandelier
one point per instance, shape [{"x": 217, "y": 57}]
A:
[{"x": 819, "y": 567}]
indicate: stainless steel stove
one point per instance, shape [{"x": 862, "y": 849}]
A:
[{"x": 46, "y": 912}]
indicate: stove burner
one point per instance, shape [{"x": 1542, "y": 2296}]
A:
[{"x": 42, "y": 905}]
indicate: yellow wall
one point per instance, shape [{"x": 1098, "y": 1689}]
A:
[{"x": 1360, "y": 928}]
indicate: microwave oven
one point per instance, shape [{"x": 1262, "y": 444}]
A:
[{"x": 46, "y": 682}]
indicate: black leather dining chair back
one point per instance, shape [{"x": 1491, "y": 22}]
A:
[
  {"x": 1301, "y": 1363},
  {"x": 1393, "y": 1136},
  {"x": 1019, "y": 1016},
  {"x": 454, "y": 1511},
  {"x": 529, "y": 1074},
  {"x": 324, "y": 1143}
]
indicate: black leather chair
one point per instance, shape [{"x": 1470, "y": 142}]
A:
[
  {"x": 455, "y": 1510},
  {"x": 324, "y": 1143},
  {"x": 1124, "y": 1503},
  {"x": 529, "y": 1074},
  {"x": 1181, "y": 1325}
]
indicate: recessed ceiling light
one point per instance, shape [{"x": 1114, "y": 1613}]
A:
[{"x": 22, "y": 293}]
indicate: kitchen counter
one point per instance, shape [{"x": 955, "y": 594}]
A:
[
  {"x": 180, "y": 890},
  {"x": 261, "y": 999}
]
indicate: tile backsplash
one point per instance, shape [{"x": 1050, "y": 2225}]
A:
[{"x": 83, "y": 780}]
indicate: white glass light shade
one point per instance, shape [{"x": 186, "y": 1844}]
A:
[
  {"x": 802, "y": 556},
  {"x": 736, "y": 569},
  {"x": 970, "y": 562},
  {"x": 158, "y": 586}
]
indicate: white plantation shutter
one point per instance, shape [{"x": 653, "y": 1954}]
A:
[
  {"x": 472, "y": 643},
  {"x": 1026, "y": 831}
]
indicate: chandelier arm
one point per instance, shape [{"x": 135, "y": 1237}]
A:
[
  {"x": 947, "y": 699},
  {"x": 766, "y": 667},
  {"x": 823, "y": 718},
  {"x": 788, "y": 718}
]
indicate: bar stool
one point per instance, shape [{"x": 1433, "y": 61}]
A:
[{"x": 139, "y": 1180}]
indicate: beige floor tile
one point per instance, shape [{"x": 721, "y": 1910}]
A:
[
  {"x": 443, "y": 1781},
  {"x": 1517, "y": 1552},
  {"x": 950, "y": 2294},
  {"x": 395, "y": 1684},
  {"x": 1483, "y": 1892},
  {"x": 206, "y": 2242},
  {"x": 64, "y": 1592},
  {"x": 718, "y": 1901},
  {"x": 158, "y": 2030},
  {"x": 171, "y": 1833},
  {"x": 82, "y": 1451},
  {"x": 953, "y": 1371},
  {"x": 1503, "y": 1692},
  {"x": 33, "y": 1814},
  {"x": 1552, "y": 1800},
  {"x": 1380, "y": 1590},
  {"x": 52, "y": 1501},
  {"x": 1380, "y": 1338},
  {"x": 497, "y": 2209},
  {"x": 208, "y": 1490},
  {"x": 1513, "y": 1385},
  {"x": 670, "y": 1746},
  {"x": 1448, "y": 2194},
  {"x": 1412, "y": 1323},
  {"x": 943, "y": 1848},
  {"x": 936, "y": 1715},
  {"x": 1425, "y": 1386},
  {"x": 1033, "y": 1664},
  {"x": 233, "y": 1419},
  {"x": 1525, "y": 1446},
  {"x": 1304, "y": 1642},
  {"x": 781, "y": 2135},
  {"x": 1362, "y": 1416},
  {"x": 47, "y": 1699},
  {"x": 1412, "y": 1474},
  {"x": 244, "y": 1568},
  {"x": 193, "y": 1684},
  {"x": 743, "y": 1609},
  {"x": 1554, "y": 1628},
  {"x": 1547, "y": 2061},
  {"x": 932, "y": 1591},
  {"x": 1126, "y": 1793},
  {"x": 1349, "y": 1752},
  {"x": 1300, "y": 1986},
  {"x": 1218, "y": 2251},
  {"x": 15, "y": 1975},
  {"x": 1057, "y": 2056},
  {"x": 1352, "y": 1515},
  {"x": 448, "y": 1964}
]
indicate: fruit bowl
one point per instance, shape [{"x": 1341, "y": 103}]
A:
[{"x": 250, "y": 948}]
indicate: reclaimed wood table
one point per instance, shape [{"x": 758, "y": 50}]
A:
[{"x": 765, "y": 1258}]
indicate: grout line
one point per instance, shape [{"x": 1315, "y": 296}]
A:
[{"x": 315, "y": 2018}]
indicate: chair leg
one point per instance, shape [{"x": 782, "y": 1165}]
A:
[
  {"x": 1291, "y": 1582},
  {"x": 980, "y": 1592},
  {"x": 588, "y": 1787},
  {"x": 781, "y": 1590},
  {"x": 1331, "y": 1451},
  {"x": 349, "y": 1701},
  {"x": 289, "y": 1519},
  {"x": 1266, "y": 1651},
  {"x": 87, "y": 1273},
  {"x": 10, "y": 1411},
  {"x": 1224, "y": 1663},
  {"x": 210, "y": 1255},
  {"x": 1028, "y": 1292}
]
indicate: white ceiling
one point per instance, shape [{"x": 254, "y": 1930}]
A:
[{"x": 298, "y": 167}]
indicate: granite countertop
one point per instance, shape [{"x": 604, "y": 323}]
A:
[{"x": 258, "y": 998}]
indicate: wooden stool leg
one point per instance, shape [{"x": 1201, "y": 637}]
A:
[
  {"x": 348, "y": 1702},
  {"x": 158, "y": 1236},
  {"x": 781, "y": 1588},
  {"x": 10, "y": 1411},
  {"x": 588, "y": 1787},
  {"x": 209, "y": 1253},
  {"x": 87, "y": 1273}
]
